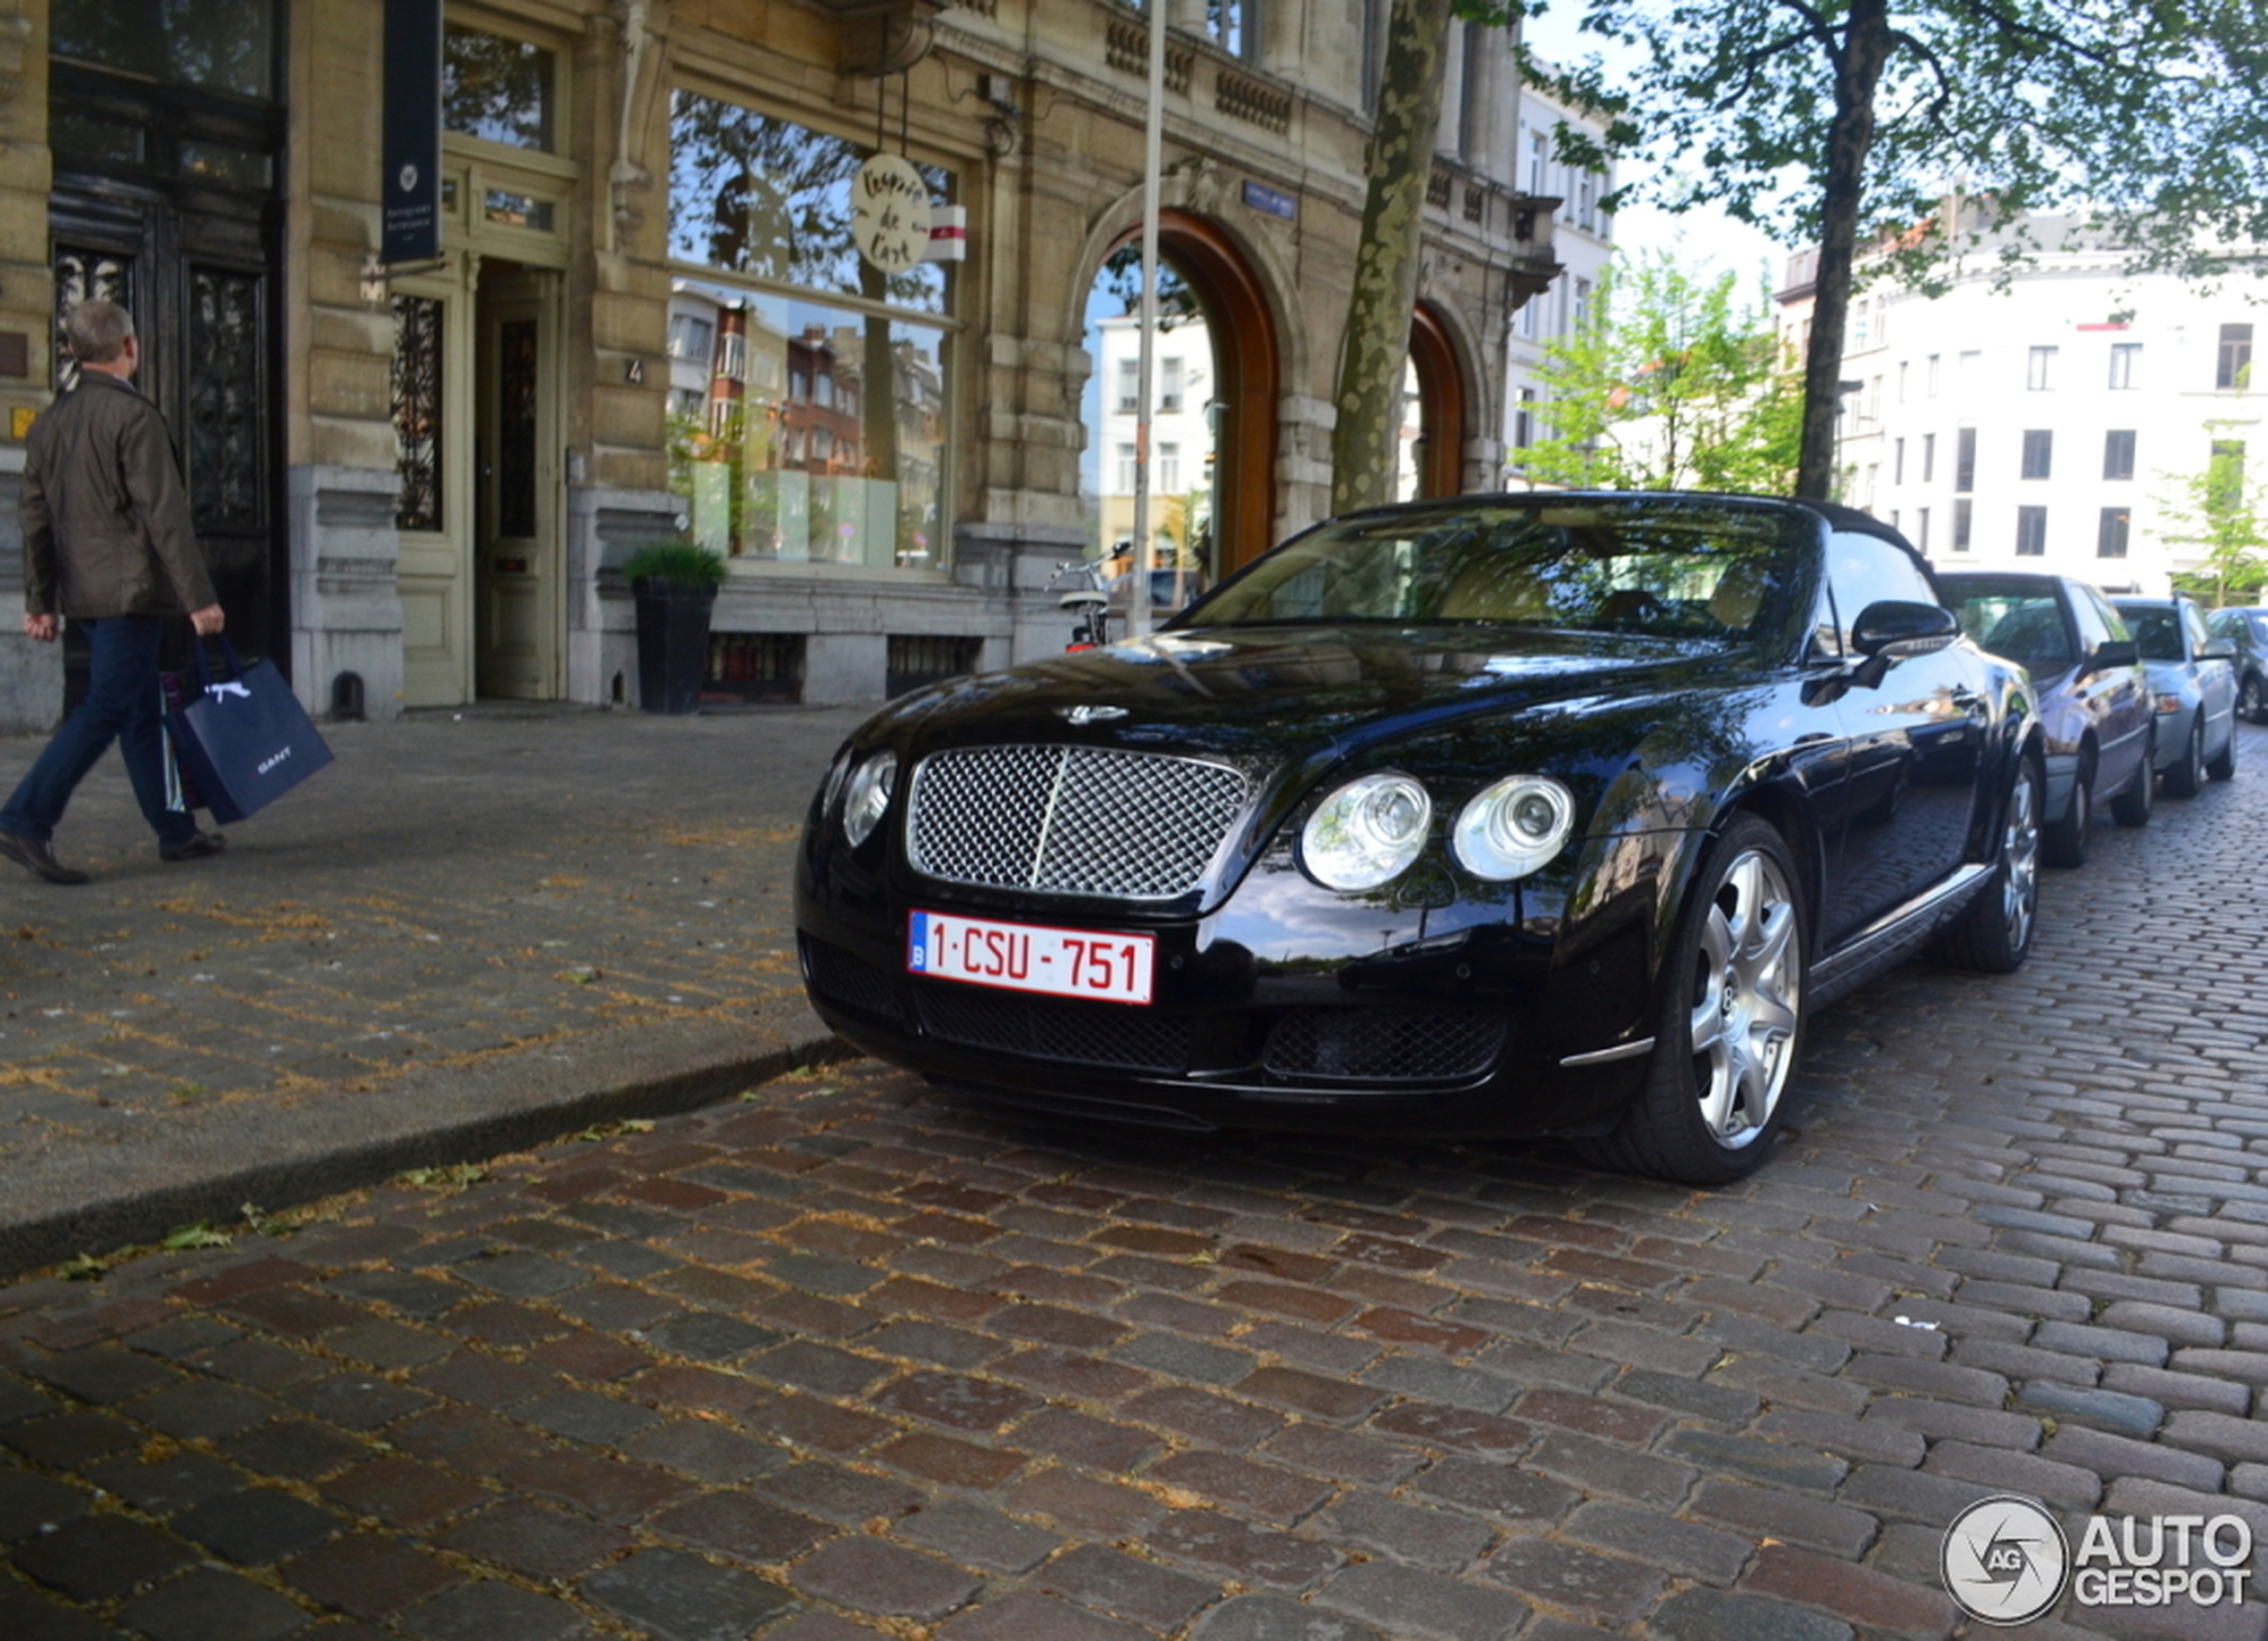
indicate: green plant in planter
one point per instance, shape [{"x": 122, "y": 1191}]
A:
[{"x": 676, "y": 566}]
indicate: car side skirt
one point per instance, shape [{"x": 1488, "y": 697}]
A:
[{"x": 1889, "y": 939}]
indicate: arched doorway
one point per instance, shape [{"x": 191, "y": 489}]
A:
[
  {"x": 1246, "y": 368},
  {"x": 1440, "y": 411}
]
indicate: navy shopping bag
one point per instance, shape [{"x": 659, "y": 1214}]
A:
[{"x": 245, "y": 740}]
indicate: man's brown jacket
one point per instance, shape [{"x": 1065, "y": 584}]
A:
[{"x": 106, "y": 524}]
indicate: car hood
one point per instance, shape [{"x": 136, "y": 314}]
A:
[{"x": 1298, "y": 692}]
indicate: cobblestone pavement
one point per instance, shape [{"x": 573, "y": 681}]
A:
[
  {"x": 847, "y": 1360},
  {"x": 471, "y": 911}
]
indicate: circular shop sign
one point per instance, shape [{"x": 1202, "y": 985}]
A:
[
  {"x": 890, "y": 212},
  {"x": 2004, "y": 1560}
]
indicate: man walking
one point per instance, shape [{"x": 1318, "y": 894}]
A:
[{"x": 107, "y": 541}]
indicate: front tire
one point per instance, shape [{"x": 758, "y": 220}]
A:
[
  {"x": 2063, "y": 843},
  {"x": 1730, "y": 1023},
  {"x": 1994, "y": 936},
  {"x": 2184, "y": 779}
]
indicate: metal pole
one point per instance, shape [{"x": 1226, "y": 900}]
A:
[{"x": 1138, "y": 597}]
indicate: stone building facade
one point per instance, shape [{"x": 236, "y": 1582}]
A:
[{"x": 419, "y": 483}]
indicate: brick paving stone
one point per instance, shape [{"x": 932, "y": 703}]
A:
[
  {"x": 205, "y": 1411},
  {"x": 351, "y": 1401},
  {"x": 402, "y": 1491},
  {"x": 1072, "y": 1375},
  {"x": 849, "y": 1497},
  {"x": 2111, "y": 1344},
  {"x": 1271, "y": 1617},
  {"x": 1245, "y": 1551},
  {"x": 206, "y": 1603},
  {"x": 673, "y": 1596},
  {"x": 1719, "y": 1615},
  {"x": 2114, "y": 1410},
  {"x": 1790, "y": 1386},
  {"x": 1111, "y": 1581},
  {"x": 1262, "y": 1490},
  {"x": 31, "y": 1506},
  {"x": 977, "y": 1536},
  {"x": 1080, "y": 1438},
  {"x": 587, "y": 1416},
  {"x": 1423, "y": 1537},
  {"x": 1605, "y": 1467},
  {"x": 297, "y": 1448},
  {"x": 1027, "y": 1615},
  {"x": 1082, "y": 1505},
  {"x": 1771, "y": 1463},
  {"x": 1414, "y": 1606},
  {"x": 104, "y": 1374},
  {"x": 25, "y": 1616},
  {"x": 2109, "y": 1455},
  {"x": 2048, "y": 1479},
  {"x": 1608, "y": 1590},
  {"x": 1871, "y": 1600},
  {"x": 257, "y": 1526},
  {"x": 485, "y": 1610},
  {"x": 610, "y": 1489},
  {"x": 2171, "y": 1389},
  {"x": 1495, "y": 1490},
  {"x": 870, "y": 1575},
  {"x": 422, "y": 1297},
  {"x": 368, "y": 1577},
  {"x": 2017, "y": 1431},
  {"x": 950, "y": 1463},
  {"x": 2234, "y": 1441},
  {"x": 704, "y": 1451},
  {"x": 1340, "y": 1455},
  {"x": 1692, "y": 1398},
  {"x": 1311, "y": 1395},
  {"x": 1764, "y": 1513},
  {"x": 536, "y": 1542}
]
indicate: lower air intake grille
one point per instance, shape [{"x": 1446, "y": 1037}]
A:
[
  {"x": 1041, "y": 1028},
  {"x": 1384, "y": 1045},
  {"x": 851, "y": 982}
]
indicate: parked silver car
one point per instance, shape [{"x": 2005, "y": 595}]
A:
[
  {"x": 2193, "y": 683},
  {"x": 2247, "y": 627}
]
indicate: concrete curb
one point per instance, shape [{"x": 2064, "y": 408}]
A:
[{"x": 340, "y": 1140}]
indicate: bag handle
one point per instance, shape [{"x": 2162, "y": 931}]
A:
[{"x": 205, "y": 683}]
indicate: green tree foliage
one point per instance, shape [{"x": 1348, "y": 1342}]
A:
[
  {"x": 2223, "y": 521},
  {"x": 1675, "y": 383},
  {"x": 1842, "y": 123}
]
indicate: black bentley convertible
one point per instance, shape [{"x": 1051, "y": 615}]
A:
[{"x": 1504, "y": 814}]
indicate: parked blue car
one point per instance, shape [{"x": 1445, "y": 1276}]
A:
[{"x": 2194, "y": 680}]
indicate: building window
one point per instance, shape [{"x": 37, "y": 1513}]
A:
[
  {"x": 2039, "y": 453},
  {"x": 1897, "y": 458},
  {"x": 1921, "y": 529},
  {"x": 1523, "y": 420},
  {"x": 2031, "y": 532},
  {"x": 1539, "y": 164},
  {"x": 1961, "y": 526},
  {"x": 1933, "y": 376},
  {"x": 2118, "y": 454},
  {"x": 1964, "y": 461},
  {"x": 495, "y": 89},
  {"x": 418, "y": 404},
  {"x": 2235, "y": 367},
  {"x": 2124, "y": 357},
  {"x": 2225, "y": 476},
  {"x": 1229, "y": 24},
  {"x": 849, "y": 464},
  {"x": 225, "y": 46},
  {"x": 691, "y": 337},
  {"x": 2110, "y": 537},
  {"x": 1129, "y": 386},
  {"x": 1582, "y": 304},
  {"x": 1902, "y": 369},
  {"x": 1170, "y": 385},
  {"x": 1128, "y": 478},
  {"x": 1169, "y": 469},
  {"x": 2039, "y": 370},
  {"x": 1929, "y": 457}
]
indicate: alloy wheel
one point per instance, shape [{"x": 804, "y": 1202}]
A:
[
  {"x": 1747, "y": 980},
  {"x": 2020, "y": 857}
]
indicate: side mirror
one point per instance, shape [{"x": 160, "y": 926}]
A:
[
  {"x": 1895, "y": 627},
  {"x": 2217, "y": 649},
  {"x": 2115, "y": 653}
]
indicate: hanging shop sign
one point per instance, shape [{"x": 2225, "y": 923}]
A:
[
  {"x": 411, "y": 142},
  {"x": 890, "y": 213}
]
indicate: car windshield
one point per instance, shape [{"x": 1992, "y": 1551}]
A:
[
  {"x": 2156, "y": 629},
  {"x": 1668, "y": 569},
  {"x": 2025, "y": 625}
]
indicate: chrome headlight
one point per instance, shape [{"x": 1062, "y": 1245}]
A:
[
  {"x": 1513, "y": 826},
  {"x": 868, "y": 795},
  {"x": 1366, "y": 832}
]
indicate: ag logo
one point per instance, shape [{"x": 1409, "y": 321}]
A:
[
  {"x": 2004, "y": 1560},
  {"x": 408, "y": 179}
]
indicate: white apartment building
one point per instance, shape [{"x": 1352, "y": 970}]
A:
[
  {"x": 2048, "y": 425},
  {"x": 1583, "y": 242}
]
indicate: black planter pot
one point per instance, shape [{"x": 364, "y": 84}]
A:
[{"x": 672, "y": 644}]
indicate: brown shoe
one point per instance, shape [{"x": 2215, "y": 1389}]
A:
[
  {"x": 200, "y": 846},
  {"x": 34, "y": 856}
]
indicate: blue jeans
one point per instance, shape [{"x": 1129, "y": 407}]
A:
[{"x": 121, "y": 705}]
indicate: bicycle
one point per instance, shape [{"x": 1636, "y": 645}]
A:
[{"x": 1088, "y": 599}]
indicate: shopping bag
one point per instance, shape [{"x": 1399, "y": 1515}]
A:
[
  {"x": 245, "y": 740},
  {"x": 175, "y": 691}
]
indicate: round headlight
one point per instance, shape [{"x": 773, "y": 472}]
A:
[
  {"x": 868, "y": 795},
  {"x": 1513, "y": 826},
  {"x": 1366, "y": 832}
]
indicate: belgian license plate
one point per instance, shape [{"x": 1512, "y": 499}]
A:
[{"x": 1062, "y": 963}]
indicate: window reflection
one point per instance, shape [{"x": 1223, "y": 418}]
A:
[
  {"x": 221, "y": 45},
  {"x": 497, "y": 89},
  {"x": 779, "y": 447}
]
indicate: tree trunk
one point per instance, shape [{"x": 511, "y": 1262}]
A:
[
  {"x": 1858, "y": 70},
  {"x": 1369, "y": 396}
]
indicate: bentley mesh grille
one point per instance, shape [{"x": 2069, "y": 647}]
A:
[
  {"x": 1385, "y": 1045},
  {"x": 1071, "y": 820},
  {"x": 1043, "y": 1029}
]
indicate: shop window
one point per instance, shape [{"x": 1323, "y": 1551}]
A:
[
  {"x": 845, "y": 460},
  {"x": 497, "y": 89}
]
